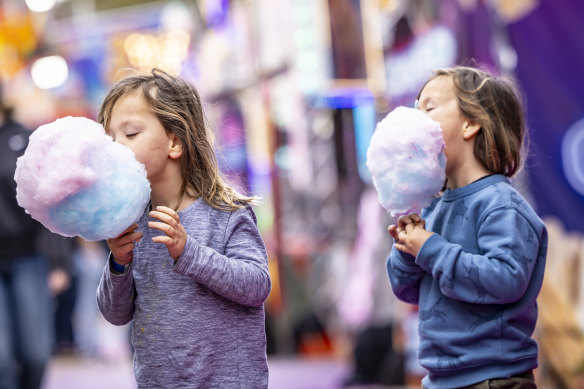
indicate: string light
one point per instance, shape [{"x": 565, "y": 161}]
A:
[
  {"x": 40, "y": 5},
  {"x": 49, "y": 72},
  {"x": 166, "y": 51}
]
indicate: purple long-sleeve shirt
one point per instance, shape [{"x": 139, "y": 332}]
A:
[{"x": 198, "y": 323}]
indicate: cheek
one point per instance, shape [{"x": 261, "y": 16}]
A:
[
  {"x": 132, "y": 147},
  {"x": 140, "y": 155},
  {"x": 450, "y": 129},
  {"x": 143, "y": 159},
  {"x": 444, "y": 122},
  {"x": 152, "y": 161},
  {"x": 136, "y": 152},
  {"x": 447, "y": 136}
]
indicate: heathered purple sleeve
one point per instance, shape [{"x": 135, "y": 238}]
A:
[
  {"x": 115, "y": 296},
  {"x": 240, "y": 273}
]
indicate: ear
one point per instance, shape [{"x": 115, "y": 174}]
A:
[
  {"x": 175, "y": 147},
  {"x": 470, "y": 129}
]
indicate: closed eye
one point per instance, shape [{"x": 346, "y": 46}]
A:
[{"x": 131, "y": 135}]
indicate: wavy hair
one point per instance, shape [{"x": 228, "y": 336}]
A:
[{"x": 179, "y": 109}]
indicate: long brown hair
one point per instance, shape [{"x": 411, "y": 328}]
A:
[
  {"x": 178, "y": 106},
  {"x": 495, "y": 104}
]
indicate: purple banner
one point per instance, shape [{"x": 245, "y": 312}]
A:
[{"x": 549, "y": 43}]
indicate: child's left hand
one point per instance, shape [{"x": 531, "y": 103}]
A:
[
  {"x": 176, "y": 236},
  {"x": 409, "y": 234}
]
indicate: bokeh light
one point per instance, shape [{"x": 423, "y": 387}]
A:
[
  {"x": 40, "y": 5},
  {"x": 49, "y": 72}
]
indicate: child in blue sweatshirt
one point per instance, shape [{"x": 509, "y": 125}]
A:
[{"x": 474, "y": 260}]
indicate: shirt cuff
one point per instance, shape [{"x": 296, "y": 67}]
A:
[{"x": 117, "y": 268}]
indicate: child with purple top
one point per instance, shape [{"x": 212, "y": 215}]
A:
[{"x": 192, "y": 274}]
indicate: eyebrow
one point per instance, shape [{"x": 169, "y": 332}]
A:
[
  {"x": 125, "y": 124},
  {"x": 130, "y": 122}
]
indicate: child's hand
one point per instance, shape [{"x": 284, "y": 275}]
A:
[
  {"x": 176, "y": 236},
  {"x": 122, "y": 246},
  {"x": 409, "y": 234}
]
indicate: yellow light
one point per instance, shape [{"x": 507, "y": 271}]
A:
[{"x": 166, "y": 51}]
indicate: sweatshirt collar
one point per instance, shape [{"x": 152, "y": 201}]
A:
[{"x": 453, "y": 194}]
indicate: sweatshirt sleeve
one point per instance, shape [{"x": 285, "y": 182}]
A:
[
  {"x": 499, "y": 274},
  {"x": 241, "y": 273},
  {"x": 115, "y": 296},
  {"x": 405, "y": 276}
]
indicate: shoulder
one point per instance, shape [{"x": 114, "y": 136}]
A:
[
  {"x": 203, "y": 213},
  {"x": 246, "y": 211},
  {"x": 497, "y": 194},
  {"x": 503, "y": 194},
  {"x": 503, "y": 198},
  {"x": 237, "y": 226},
  {"x": 243, "y": 217}
]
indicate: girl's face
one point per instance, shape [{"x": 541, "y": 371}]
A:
[
  {"x": 438, "y": 101},
  {"x": 134, "y": 124}
]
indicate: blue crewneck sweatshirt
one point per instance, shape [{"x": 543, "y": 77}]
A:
[{"x": 476, "y": 281}]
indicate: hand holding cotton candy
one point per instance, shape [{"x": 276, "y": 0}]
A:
[
  {"x": 75, "y": 180},
  {"x": 406, "y": 160}
]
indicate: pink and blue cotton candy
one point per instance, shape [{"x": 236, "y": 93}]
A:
[
  {"x": 406, "y": 160},
  {"x": 76, "y": 181}
]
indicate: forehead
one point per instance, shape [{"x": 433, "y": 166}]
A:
[
  {"x": 440, "y": 86},
  {"x": 131, "y": 106},
  {"x": 132, "y": 100}
]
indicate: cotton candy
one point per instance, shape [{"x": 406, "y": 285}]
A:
[
  {"x": 76, "y": 181},
  {"x": 406, "y": 160}
]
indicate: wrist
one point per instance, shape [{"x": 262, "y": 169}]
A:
[{"x": 117, "y": 268}]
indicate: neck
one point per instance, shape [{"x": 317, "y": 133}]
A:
[
  {"x": 171, "y": 199},
  {"x": 169, "y": 196},
  {"x": 166, "y": 192},
  {"x": 466, "y": 175}
]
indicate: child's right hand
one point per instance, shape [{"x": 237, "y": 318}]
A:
[
  {"x": 409, "y": 234},
  {"x": 122, "y": 246}
]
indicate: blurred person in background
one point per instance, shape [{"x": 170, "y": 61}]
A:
[
  {"x": 26, "y": 283},
  {"x": 89, "y": 260}
]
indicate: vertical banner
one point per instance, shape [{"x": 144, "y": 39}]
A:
[{"x": 550, "y": 70}]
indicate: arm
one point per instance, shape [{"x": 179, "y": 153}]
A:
[
  {"x": 405, "y": 276},
  {"x": 115, "y": 295},
  {"x": 499, "y": 274},
  {"x": 241, "y": 274}
]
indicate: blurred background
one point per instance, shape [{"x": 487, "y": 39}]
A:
[{"x": 293, "y": 90}]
